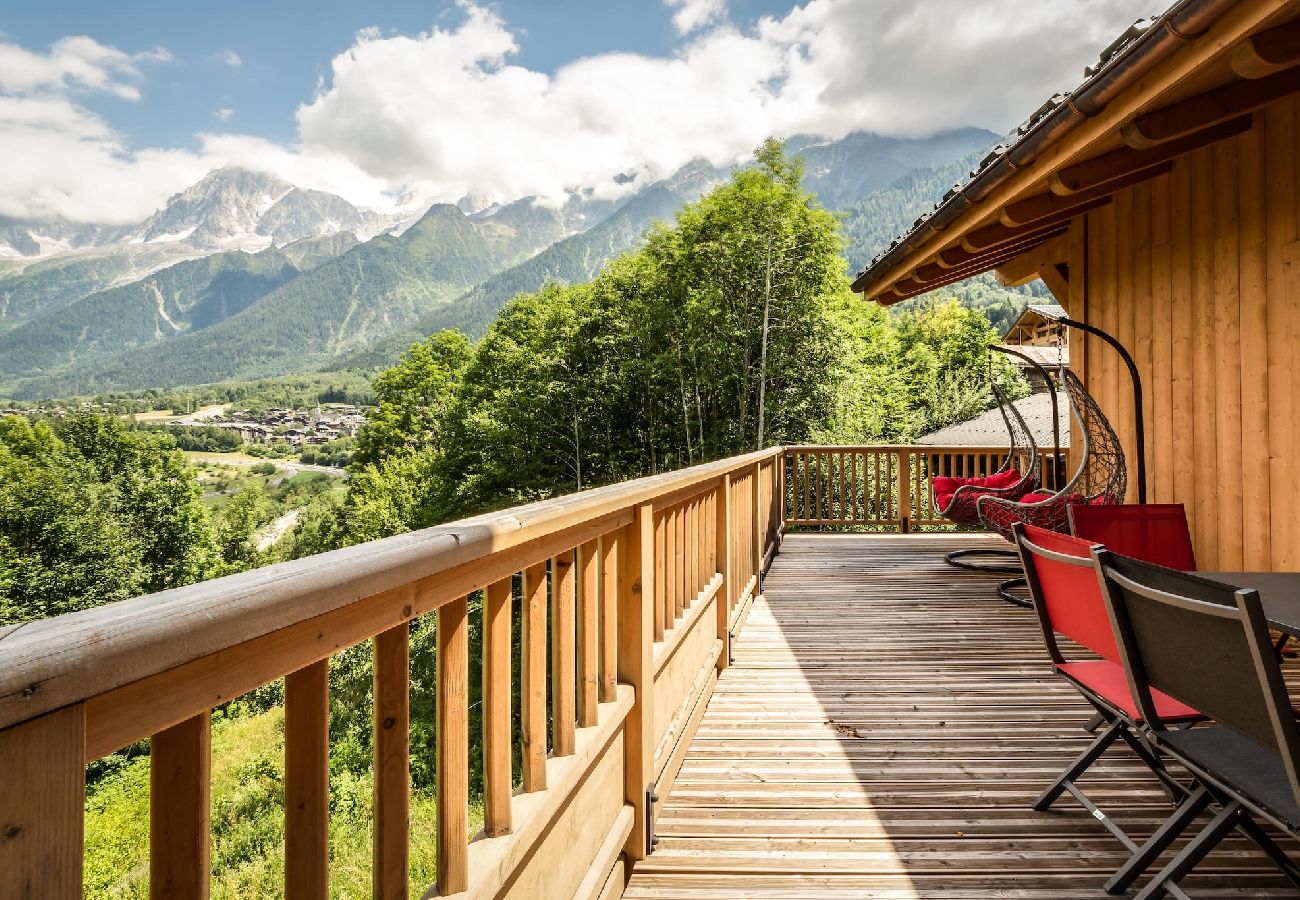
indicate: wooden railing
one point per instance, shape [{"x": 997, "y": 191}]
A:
[
  {"x": 884, "y": 488},
  {"x": 645, "y": 581}
]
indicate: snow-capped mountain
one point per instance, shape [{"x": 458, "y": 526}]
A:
[
  {"x": 234, "y": 207},
  {"x": 230, "y": 208}
]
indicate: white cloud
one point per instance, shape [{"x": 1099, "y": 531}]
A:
[
  {"x": 75, "y": 63},
  {"x": 230, "y": 58},
  {"x": 439, "y": 115},
  {"x": 224, "y": 113},
  {"x": 694, "y": 14}
]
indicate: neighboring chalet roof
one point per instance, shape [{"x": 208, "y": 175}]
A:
[
  {"x": 1163, "y": 88},
  {"x": 989, "y": 430},
  {"x": 1036, "y": 335},
  {"x": 1047, "y": 357}
]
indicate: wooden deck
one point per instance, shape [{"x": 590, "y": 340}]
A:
[{"x": 882, "y": 733}]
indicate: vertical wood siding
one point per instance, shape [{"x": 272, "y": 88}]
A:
[{"x": 1198, "y": 274}]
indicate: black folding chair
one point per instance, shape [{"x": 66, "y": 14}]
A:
[{"x": 1207, "y": 645}]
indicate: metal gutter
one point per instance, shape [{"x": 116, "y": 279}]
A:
[{"x": 1129, "y": 57}]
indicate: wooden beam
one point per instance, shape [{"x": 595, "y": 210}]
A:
[
  {"x": 1097, "y": 171},
  {"x": 1195, "y": 114},
  {"x": 960, "y": 257},
  {"x": 1057, "y": 279},
  {"x": 910, "y": 287},
  {"x": 1267, "y": 52},
  {"x": 1024, "y": 268},
  {"x": 996, "y": 235},
  {"x": 1051, "y": 206}
]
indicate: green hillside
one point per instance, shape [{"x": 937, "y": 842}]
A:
[
  {"x": 377, "y": 287},
  {"x": 188, "y": 296}
]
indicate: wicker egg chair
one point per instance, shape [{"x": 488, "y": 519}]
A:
[
  {"x": 957, "y": 498},
  {"x": 1101, "y": 478}
]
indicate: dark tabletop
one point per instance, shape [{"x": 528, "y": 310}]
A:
[{"x": 1279, "y": 593}]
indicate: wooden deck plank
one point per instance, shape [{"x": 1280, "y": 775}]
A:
[{"x": 882, "y": 732}]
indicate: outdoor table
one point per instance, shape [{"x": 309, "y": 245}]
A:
[{"x": 1279, "y": 594}]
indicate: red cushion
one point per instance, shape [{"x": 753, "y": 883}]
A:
[
  {"x": 945, "y": 486},
  {"x": 1107, "y": 680}
]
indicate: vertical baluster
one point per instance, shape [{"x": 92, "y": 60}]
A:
[
  {"x": 609, "y": 567},
  {"x": 532, "y": 678},
  {"x": 392, "y": 677},
  {"x": 636, "y": 668},
  {"x": 806, "y": 467},
  {"x": 661, "y": 599},
  {"x": 180, "y": 805},
  {"x": 679, "y": 563},
  {"x": 756, "y": 547},
  {"x": 880, "y": 512},
  {"x": 498, "y": 779},
  {"x": 307, "y": 782},
  {"x": 692, "y": 559},
  {"x": 563, "y": 663},
  {"x": 453, "y": 747},
  {"x": 844, "y": 493},
  {"x": 588, "y": 635},
  {"x": 722, "y": 551}
]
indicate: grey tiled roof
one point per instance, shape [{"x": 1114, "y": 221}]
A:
[{"x": 988, "y": 429}]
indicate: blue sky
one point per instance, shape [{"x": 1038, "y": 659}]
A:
[
  {"x": 284, "y": 48},
  {"x": 107, "y": 108}
]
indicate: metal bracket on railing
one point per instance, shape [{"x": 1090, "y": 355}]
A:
[{"x": 651, "y": 798}]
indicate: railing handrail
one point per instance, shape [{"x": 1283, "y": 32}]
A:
[{"x": 52, "y": 663}]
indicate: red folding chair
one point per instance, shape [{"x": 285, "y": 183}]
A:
[
  {"x": 1067, "y": 598},
  {"x": 1152, "y": 532}
]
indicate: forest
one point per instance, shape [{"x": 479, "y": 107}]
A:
[{"x": 730, "y": 329}]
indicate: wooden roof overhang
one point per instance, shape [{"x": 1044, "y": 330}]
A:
[{"x": 1188, "y": 79}]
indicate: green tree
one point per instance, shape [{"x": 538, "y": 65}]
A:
[{"x": 414, "y": 397}]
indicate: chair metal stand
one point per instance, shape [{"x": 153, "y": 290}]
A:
[
  {"x": 962, "y": 560},
  {"x": 1006, "y": 593}
]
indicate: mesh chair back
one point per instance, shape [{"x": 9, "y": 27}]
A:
[
  {"x": 1154, "y": 532},
  {"x": 1200, "y": 642},
  {"x": 1065, "y": 589}
]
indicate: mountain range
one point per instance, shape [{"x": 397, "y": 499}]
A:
[{"x": 243, "y": 275}]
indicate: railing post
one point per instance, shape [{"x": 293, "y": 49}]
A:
[
  {"x": 636, "y": 668},
  {"x": 904, "y": 491},
  {"x": 180, "y": 809},
  {"x": 781, "y": 458},
  {"x": 498, "y": 780},
  {"x": 727, "y": 590},
  {"x": 43, "y": 813},
  {"x": 756, "y": 527},
  {"x": 392, "y": 755},
  {"x": 307, "y": 782},
  {"x": 453, "y": 747}
]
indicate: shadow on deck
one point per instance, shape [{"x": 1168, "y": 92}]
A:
[{"x": 882, "y": 733}]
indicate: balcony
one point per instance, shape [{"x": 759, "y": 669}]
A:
[{"x": 861, "y": 720}]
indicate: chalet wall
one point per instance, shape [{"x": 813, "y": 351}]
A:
[{"x": 1198, "y": 274}]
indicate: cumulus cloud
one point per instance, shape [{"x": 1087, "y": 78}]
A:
[
  {"x": 75, "y": 63},
  {"x": 694, "y": 14},
  {"x": 230, "y": 58},
  {"x": 439, "y": 115}
]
